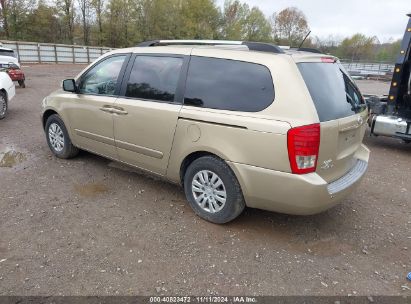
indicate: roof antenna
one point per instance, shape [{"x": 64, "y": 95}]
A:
[{"x": 305, "y": 38}]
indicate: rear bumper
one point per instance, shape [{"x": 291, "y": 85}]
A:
[
  {"x": 349, "y": 179},
  {"x": 296, "y": 194}
]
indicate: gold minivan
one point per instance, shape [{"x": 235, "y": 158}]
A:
[{"x": 236, "y": 123}]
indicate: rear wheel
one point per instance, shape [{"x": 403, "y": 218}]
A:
[
  {"x": 212, "y": 190},
  {"x": 22, "y": 83},
  {"x": 58, "y": 138},
  {"x": 3, "y": 105}
]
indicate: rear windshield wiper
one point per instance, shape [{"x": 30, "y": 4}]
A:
[{"x": 355, "y": 106}]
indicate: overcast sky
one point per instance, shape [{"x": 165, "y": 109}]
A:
[{"x": 383, "y": 18}]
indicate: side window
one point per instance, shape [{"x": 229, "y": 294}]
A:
[
  {"x": 228, "y": 85},
  {"x": 353, "y": 94},
  {"x": 154, "y": 77},
  {"x": 102, "y": 78}
]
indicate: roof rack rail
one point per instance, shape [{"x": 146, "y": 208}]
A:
[
  {"x": 263, "y": 47},
  {"x": 188, "y": 42},
  {"x": 252, "y": 46}
]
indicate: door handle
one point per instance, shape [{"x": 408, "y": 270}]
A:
[
  {"x": 119, "y": 111},
  {"x": 114, "y": 110},
  {"x": 107, "y": 109}
]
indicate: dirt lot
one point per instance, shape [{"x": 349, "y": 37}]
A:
[{"x": 89, "y": 226}]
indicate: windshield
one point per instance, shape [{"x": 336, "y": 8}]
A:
[
  {"x": 6, "y": 53},
  {"x": 334, "y": 94}
]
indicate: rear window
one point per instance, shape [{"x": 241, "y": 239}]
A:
[
  {"x": 228, "y": 85},
  {"x": 334, "y": 94},
  {"x": 7, "y": 53}
]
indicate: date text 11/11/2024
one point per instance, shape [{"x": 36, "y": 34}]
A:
[{"x": 205, "y": 299}]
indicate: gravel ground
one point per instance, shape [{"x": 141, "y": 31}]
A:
[
  {"x": 374, "y": 87},
  {"x": 90, "y": 226}
]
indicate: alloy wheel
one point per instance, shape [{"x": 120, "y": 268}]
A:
[
  {"x": 209, "y": 191},
  {"x": 56, "y": 137}
]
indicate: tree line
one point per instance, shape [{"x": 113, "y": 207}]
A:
[{"x": 123, "y": 23}]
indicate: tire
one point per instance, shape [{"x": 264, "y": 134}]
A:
[
  {"x": 58, "y": 138},
  {"x": 215, "y": 209},
  {"x": 22, "y": 84},
  {"x": 3, "y": 105}
]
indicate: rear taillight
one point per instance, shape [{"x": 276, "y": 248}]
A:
[{"x": 303, "y": 146}]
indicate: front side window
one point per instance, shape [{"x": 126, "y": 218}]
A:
[
  {"x": 154, "y": 78},
  {"x": 228, "y": 85},
  {"x": 102, "y": 78}
]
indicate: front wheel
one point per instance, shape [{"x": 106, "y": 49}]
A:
[
  {"x": 212, "y": 190},
  {"x": 58, "y": 138},
  {"x": 3, "y": 105}
]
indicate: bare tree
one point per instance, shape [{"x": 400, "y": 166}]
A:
[
  {"x": 85, "y": 18},
  {"x": 4, "y": 14},
  {"x": 98, "y": 6},
  {"x": 66, "y": 7},
  {"x": 290, "y": 26},
  {"x": 118, "y": 15},
  {"x": 327, "y": 44}
]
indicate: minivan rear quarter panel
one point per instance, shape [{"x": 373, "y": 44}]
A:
[
  {"x": 235, "y": 139},
  {"x": 253, "y": 138}
]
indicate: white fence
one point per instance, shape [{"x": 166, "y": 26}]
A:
[
  {"x": 369, "y": 68},
  {"x": 34, "y": 52}
]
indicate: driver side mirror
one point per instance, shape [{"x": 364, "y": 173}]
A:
[{"x": 69, "y": 85}]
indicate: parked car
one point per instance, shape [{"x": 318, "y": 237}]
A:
[
  {"x": 7, "y": 56},
  {"x": 7, "y": 92},
  {"x": 236, "y": 124},
  {"x": 16, "y": 74},
  {"x": 10, "y": 64}
]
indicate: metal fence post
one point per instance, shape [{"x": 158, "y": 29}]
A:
[
  {"x": 88, "y": 55},
  {"x": 18, "y": 51},
  {"x": 379, "y": 71},
  {"x": 73, "y": 54},
  {"x": 55, "y": 54},
  {"x": 38, "y": 52}
]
